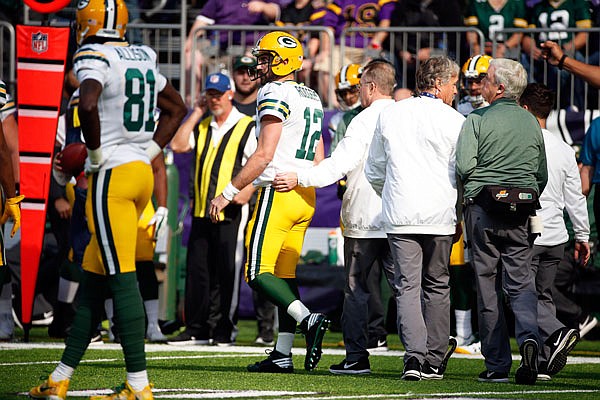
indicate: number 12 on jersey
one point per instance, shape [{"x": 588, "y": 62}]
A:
[{"x": 312, "y": 129}]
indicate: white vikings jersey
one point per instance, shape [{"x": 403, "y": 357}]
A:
[
  {"x": 301, "y": 111},
  {"x": 127, "y": 106}
]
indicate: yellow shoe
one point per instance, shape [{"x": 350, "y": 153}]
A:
[
  {"x": 125, "y": 392},
  {"x": 50, "y": 390}
]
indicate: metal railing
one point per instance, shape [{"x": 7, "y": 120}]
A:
[
  {"x": 219, "y": 44},
  {"x": 448, "y": 41},
  {"x": 571, "y": 92},
  {"x": 8, "y": 55},
  {"x": 217, "y": 54}
]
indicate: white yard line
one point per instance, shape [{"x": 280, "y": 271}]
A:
[{"x": 249, "y": 350}]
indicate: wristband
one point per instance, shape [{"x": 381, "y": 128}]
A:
[
  {"x": 229, "y": 192},
  {"x": 95, "y": 155},
  {"x": 561, "y": 62},
  {"x": 153, "y": 150}
]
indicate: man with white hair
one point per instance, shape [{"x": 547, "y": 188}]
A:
[{"x": 500, "y": 159}]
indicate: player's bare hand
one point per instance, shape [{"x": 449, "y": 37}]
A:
[
  {"x": 285, "y": 181},
  {"x": 216, "y": 206}
]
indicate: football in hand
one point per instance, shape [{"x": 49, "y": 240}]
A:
[{"x": 72, "y": 158}]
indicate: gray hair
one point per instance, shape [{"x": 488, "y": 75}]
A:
[
  {"x": 442, "y": 68},
  {"x": 381, "y": 72},
  {"x": 511, "y": 74}
]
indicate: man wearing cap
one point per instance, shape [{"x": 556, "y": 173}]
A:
[
  {"x": 246, "y": 90},
  {"x": 223, "y": 141}
]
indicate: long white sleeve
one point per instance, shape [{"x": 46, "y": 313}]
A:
[
  {"x": 575, "y": 203},
  {"x": 376, "y": 161},
  {"x": 347, "y": 155}
]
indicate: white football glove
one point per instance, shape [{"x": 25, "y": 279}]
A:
[
  {"x": 161, "y": 229},
  {"x": 94, "y": 161}
]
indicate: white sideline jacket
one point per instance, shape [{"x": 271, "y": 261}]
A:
[
  {"x": 361, "y": 206},
  {"x": 411, "y": 164},
  {"x": 563, "y": 191}
]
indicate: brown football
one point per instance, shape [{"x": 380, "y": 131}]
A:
[{"x": 72, "y": 158}]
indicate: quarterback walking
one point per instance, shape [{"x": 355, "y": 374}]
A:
[{"x": 289, "y": 121}]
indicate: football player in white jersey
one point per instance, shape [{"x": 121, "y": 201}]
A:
[
  {"x": 121, "y": 88},
  {"x": 289, "y": 122}
]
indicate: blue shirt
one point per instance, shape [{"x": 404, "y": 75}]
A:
[{"x": 590, "y": 150}]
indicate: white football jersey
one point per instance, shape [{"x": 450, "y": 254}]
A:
[
  {"x": 300, "y": 109},
  {"x": 127, "y": 106}
]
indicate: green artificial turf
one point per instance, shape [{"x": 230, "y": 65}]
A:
[{"x": 212, "y": 373}]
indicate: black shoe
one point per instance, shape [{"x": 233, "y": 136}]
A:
[
  {"x": 493, "y": 377},
  {"x": 359, "y": 367},
  {"x": 561, "y": 342},
  {"x": 543, "y": 374},
  {"x": 184, "y": 338},
  {"x": 412, "y": 370},
  {"x": 313, "y": 327},
  {"x": 526, "y": 374},
  {"x": 428, "y": 372},
  {"x": 276, "y": 362},
  {"x": 452, "y": 344},
  {"x": 377, "y": 344}
]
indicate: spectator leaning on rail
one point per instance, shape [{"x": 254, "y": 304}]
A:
[
  {"x": 360, "y": 46},
  {"x": 501, "y": 161},
  {"x": 411, "y": 166},
  {"x": 490, "y": 16},
  {"x": 230, "y": 12}
]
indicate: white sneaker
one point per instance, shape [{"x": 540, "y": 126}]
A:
[
  {"x": 465, "y": 341},
  {"x": 7, "y": 326},
  {"x": 587, "y": 325},
  {"x": 468, "y": 345},
  {"x": 154, "y": 334}
]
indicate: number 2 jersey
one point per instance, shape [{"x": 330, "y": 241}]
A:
[
  {"x": 300, "y": 109},
  {"x": 482, "y": 15},
  {"x": 127, "y": 106}
]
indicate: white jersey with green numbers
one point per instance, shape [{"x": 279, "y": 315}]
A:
[
  {"x": 127, "y": 106},
  {"x": 300, "y": 109}
]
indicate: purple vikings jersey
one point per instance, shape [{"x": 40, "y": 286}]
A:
[
  {"x": 232, "y": 12},
  {"x": 341, "y": 14}
]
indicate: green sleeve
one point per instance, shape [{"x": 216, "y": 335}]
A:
[
  {"x": 542, "y": 172},
  {"x": 467, "y": 147}
]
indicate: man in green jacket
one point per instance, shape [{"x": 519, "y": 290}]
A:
[{"x": 501, "y": 161}]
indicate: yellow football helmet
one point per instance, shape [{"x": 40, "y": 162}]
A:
[
  {"x": 104, "y": 18},
  {"x": 348, "y": 76},
  {"x": 285, "y": 52},
  {"x": 476, "y": 66}
]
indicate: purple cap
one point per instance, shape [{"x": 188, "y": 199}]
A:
[{"x": 217, "y": 81}]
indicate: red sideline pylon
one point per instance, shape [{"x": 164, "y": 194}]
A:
[{"x": 41, "y": 55}]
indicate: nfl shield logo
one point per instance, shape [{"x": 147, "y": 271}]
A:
[{"x": 39, "y": 42}]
